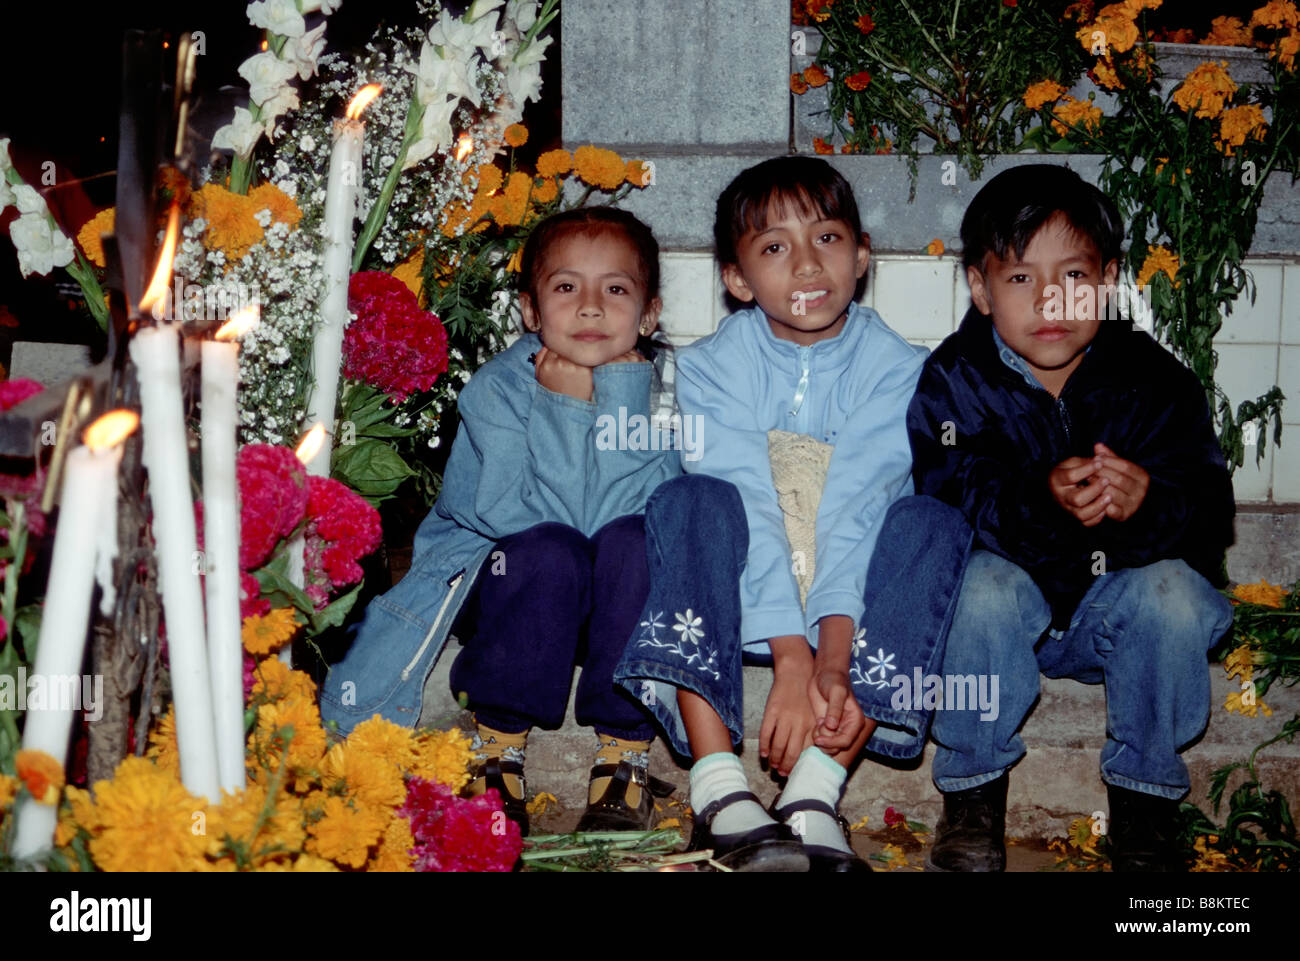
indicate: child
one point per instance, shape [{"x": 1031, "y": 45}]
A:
[
  {"x": 805, "y": 359},
  {"x": 1084, "y": 457},
  {"x": 537, "y": 539}
]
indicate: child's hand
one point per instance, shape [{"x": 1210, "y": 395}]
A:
[
  {"x": 788, "y": 719},
  {"x": 562, "y": 376},
  {"x": 1126, "y": 483},
  {"x": 839, "y": 716},
  {"x": 631, "y": 357},
  {"x": 1076, "y": 486}
]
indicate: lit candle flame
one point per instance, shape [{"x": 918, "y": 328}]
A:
[
  {"x": 239, "y": 323},
  {"x": 464, "y": 144},
  {"x": 310, "y": 443},
  {"x": 362, "y": 100},
  {"x": 162, "y": 274},
  {"x": 110, "y": 429}
]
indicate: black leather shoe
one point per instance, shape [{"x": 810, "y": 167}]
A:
[
  {"x": 971, "y": 835},
  {"x": 771, "y": 847},
  {"x": 611, "y": 812},
  {"x": 1143, "y": 834},
  {"x": 488, "y": 774},
  {"x": 821, "y": 858}
]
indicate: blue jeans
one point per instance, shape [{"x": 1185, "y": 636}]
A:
[
  {"x": 1143, "y": 632},
  {"x": 688, "y": 637}
]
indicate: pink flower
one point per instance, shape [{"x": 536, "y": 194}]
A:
[
  {"x": 273, "y": 499},
  {"x": 459, "y": 834},
  {"x": 393, "y": 344},
  {"x": 14, "y": 392}
]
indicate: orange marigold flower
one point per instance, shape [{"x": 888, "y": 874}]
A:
[
  {"x": 865, "y": 24},
  {"x": 1159, "y": 259},
  {"x": 1075, "y": 113},
  {"x": 599, "y": 167},
  {"x": 1112, "y": 32},
  {"x": 848, "y": 148},
  {"x": 1103, "y": 71},
  {"x": 1043, "y": 92},
  {"x": 274, "y": 679},
  {"x": 268, "y": 196},
  {"x": 1205, "y": 90},
  {"x": 41, "y": 774},
  {"x": 1227, "y": 32},
  {"x": 820, "y": 10},
  {"x": 231, "y": 225},
  {"x": 345, "y": 834},
  {"x": 1277, "y": 14},
  {"x": 545, "y": 190},
  {"x": 887, "y": 148},
  {"x": 821, "y": 146},
  {"x": 163, "y": 747},
  {"x": 411, "y": 272},
  {"x": 638, "y": 173},
  {"x": 490, "y": 178},
  {"x": 394, "y": 851},
  {"x": 815, "y": 76},
  {"x": 797, "y": 83},
  {"x": 1286, "y": 49},
  {"x": 264, "y": 634},
  {"x": 88, "y": 236},
  {"x": 8, "y": 790},
  {"x": 1238, "y": 123},
  {"x": 516, "y": 135},
  {"x": 514, "y": 199},
  {"x": 934, "y": 247},
  {"x": 1262, "y": 593},
  {"x": 554, "y": 163},
  {"x": 858, "y": 81}
]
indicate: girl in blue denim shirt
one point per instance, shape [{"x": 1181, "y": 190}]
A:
[{"x": 534, "y": 553}]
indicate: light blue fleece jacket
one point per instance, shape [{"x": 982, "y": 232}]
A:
[{"x": 851, "y": 391}]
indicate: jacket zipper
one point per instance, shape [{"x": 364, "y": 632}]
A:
[
  {"x": 1065, "y": 419},
  {"x": 454, "y": 583},
  {"x": 801, "y": 389}
]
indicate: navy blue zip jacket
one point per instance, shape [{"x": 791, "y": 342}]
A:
[{"x": 985, "y": 441}]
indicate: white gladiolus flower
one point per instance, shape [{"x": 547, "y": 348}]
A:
[
  {"x": 7, "y": 198},
  {"x": 28, "y": 200},
  {"x": 535, "y": 52},
  {"x": 524, "y": 83},
  {"x": 281, "y": 103},
  {"x": 40, "y": 247},
  {"x": 324, "y": 6},
  {"x": 522, "y": 12},
  {"x": 278, "y": 16},
  {"x": 458, "y": 39},
  {"x": 240, "y": 135},
  {"x": 435, "y": 131},
  {"x": 437, "y": 76},
  {"x": 481, "y": 8},
  {"x": 5, "y": 163},
  {"x": 302, "y": 53},
  {"x": 267, "y": 75}
]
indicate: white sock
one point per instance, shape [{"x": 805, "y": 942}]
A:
[
  {"x": 713, "y": 777},
  {"x": 815, "y": 776}
]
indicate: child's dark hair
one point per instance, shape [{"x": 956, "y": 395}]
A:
[
  {"x": 808, "y": 184},
  {"x": 1010, "y": 209},
  {"x": 590, "y": 220}
]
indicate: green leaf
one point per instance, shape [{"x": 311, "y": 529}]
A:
[
  {"x": 27, "y": 624},
  {"x": 279, "y": 590},
  {"x": 371, "y": 468},
  {"x": 385, "y": 429},
  {"x": 334, "y": 613}
]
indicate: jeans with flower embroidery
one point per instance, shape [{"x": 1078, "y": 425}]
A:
[
  {"x": 545, "y": 599},
  {"x": 689, "y": 632},
  {"x": 1142, "y": 631}
]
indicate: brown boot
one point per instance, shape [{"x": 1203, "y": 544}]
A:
[{"x": 971, "y": 835}]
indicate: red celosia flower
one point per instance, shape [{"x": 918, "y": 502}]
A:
[
  {"x": 273, "y": 498},
  {"x": 251, "y": 602},
  {"x": 892, "y": 817},
  {"x": 459, "y": 834},
  {"x": 342, "y": 528},
  {"x": 393, "y": 344}
]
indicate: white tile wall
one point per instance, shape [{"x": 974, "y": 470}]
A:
[
  {"x": 1286, "y": 466},
  {"x": 1288, "y": 378},
  {"x": 915, "y": 295},
  {"x": 1260, "y": 322},
  {"x": 691, "y": 293},
  {"x": 1291, "y": 304},
  {"x": 1251, "y": 483}
]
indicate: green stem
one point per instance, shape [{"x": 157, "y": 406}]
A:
[
  {"x": 929, "y": 39},
  {"x": 378, "y": 212},
  {"x": 544, "y": 17},
  {"x": 81, "y": 271}
]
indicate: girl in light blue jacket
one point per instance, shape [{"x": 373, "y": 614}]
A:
[{"x": 534, "y": 554}]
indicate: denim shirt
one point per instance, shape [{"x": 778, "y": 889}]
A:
[
  {"x": 851, "y": 391},
  {"x": 523, "y": 455}
]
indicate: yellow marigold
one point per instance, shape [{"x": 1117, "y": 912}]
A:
[
  {"x": 411, "y": 272},
  {"x": 1238, "y": 123},
  {"x": 516, "y": 260},
  {"x": 542, "y": 802},
  {"x": 815, "y": 76},
  {"x": 147, "y": 821},
  {"x": 1205, "y": 90},
  {"x": 490, "y": 178},
  {"x": 1241, "y": 663},
  {"x": 637, "y": 173},
  {"x": 310, "y": 864},
  {"x": 1263, "y": 593},
  {"x": 77, "y": 812},
  {"x": 822, "y": 146},
  {"x": 307, "y": 746},
  {"x": 386, "y": 740},
  {"x": 1208, "y": 859},
  {"x": 819, "y": 10},
  {"x": 1043, "y": 92},
  {"x": 1227, "y": 32},
  {"x": 345, "y": 834},
  {"x": 88, "y": 237},
  {"x": 239, "y": 819},
  {"x": 1277, "y": 14},
  {"x": 372, "y": 781},
  {"x": 554, "y": 163},
  {"x": 1286, "y": 49},
  {"x": 934, "y": 247},
  {"x": 274, "y": 679},
  {"x": 1074, "y": 113},
  {"x": 1112, "y": 32},
  {"x": 231, "y": 225},
  {"x": 514, "y": 207},
  {"x": 163, "y": 749},
  {"x": 394, "y": 851},
  {"x": 264, "y": 633},
  {"x": 1159, "y": 258},
  {"x": 1103, "y": 71},
  {"x": 599, "y": 167},
  {"x": 268, "y": 196},
  {"x": 41, "y": 774},
  {"x": 1234, "y": 704},
  {"x": 443, "y": 756},
  {"x": 545, "y": 190},
  {"x": 1080, "y": 835},
  {"x": 798, "y": 85},
  {"x": 516, "y": 135}
]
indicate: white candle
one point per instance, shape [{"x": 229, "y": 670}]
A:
[
  {"x": 89, "y": 473},
  {"x": 340, "y": 213},
  {"x": 220, "y": 379},
  {"x": 155, "y": 351}
]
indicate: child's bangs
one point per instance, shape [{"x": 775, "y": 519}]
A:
[{"x": 807, "y": 201}]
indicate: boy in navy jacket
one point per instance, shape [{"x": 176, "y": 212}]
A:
[{"x": 1084, "y": 457}]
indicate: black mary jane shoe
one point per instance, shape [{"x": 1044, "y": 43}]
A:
[
  {"x": 823, "y": 859},
  {"x": 771, "y": 847},
  {"x": 611, "y": 812},
  {"x": 489, "y": 774}
]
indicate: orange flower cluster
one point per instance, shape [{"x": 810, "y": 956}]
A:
[
  {"x": 231, "y": 218},
  {"x": 599, "y": 167},
  {"x": 858, "y": 81},
  {"x": 934, "y": 248},
  {"x": 516, "y": 135},
  {"x": 1075, "y": 113},
  {"x": 41, "y": 774},
  {"x": 1043, "y": 92},
  {"x": 1159, "y": 260},
  {"x": 88, "y": 236},
  {"x": 815, "y": 76},
  {"x": 1236, "y": 124},
  {"x": 1281, "y": 15},
  {"x": 819, "y": 10},
  {"x": 823, "y": 146},
  {"x": 1205, "y": 90},
  {"x": 1227, "y": 32}
]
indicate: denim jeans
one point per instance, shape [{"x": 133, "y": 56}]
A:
[
  {"x": 1143, "y": 632},
  {"x": 689, "y": 633},
  {"x": 545, "y": 599}
]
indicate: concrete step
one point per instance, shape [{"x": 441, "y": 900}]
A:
[{"x": 1056, "y": 782}]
